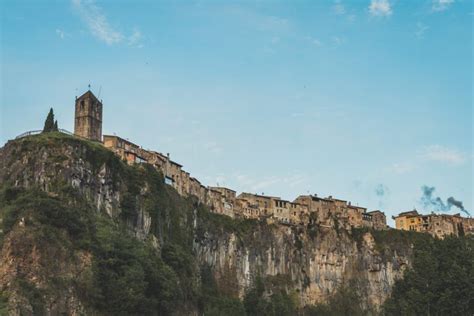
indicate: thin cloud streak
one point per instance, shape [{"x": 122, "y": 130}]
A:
[
  {"x": 61, "y": 33},
  {"x": 443, "y": 154},
  {"x": 441, "y": 5},
  {"x": 380, "y": 8},
  {"x": 420, "y": 30},
  {"x": 97, "y": 22}
]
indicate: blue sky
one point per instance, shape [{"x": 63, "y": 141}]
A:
[{"x": 364, "y": 100}]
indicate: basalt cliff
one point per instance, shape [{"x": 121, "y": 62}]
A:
[{"x": 84, "y": 233}]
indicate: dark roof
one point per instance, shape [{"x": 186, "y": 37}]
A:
[
  {"x": 356, "y": 207},
  {"x": 414, "y": 212},
  {"x": 314, "y": 198},
  {"x": 376, "y": 211},
  {"x": 89, "y": 94},
  {"x": 194, "y": 179},
  {"x": 283, "y": 200},
  {"x": 259, "y": 196},
  {"x": 215, "y": 191},
  {"x": 223, "y": 188},
  {"x": 175, "y": 163}
]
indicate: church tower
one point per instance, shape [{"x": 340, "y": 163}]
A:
[{"x": 88, "y": 118}]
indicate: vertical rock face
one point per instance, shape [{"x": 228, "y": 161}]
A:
[
  {"x": 314, "y": 261},
  {"x": 315, "y": 266}
]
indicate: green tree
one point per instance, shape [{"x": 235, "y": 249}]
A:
[
  {"x": 49, "y": 125},
  {"x": 55, "y": 129},
  {"x": 441, "y": 281}
]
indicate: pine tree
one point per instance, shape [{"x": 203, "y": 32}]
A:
[
  {"x": 49, "y": 123},
  {"x": 56, "y": 129}
]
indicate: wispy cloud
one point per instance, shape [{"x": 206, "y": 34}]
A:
[
  {"x": 380, "y": 8},
  {"x": 431, "y": 153},
  {"x": 252, "y": 18},
  {"x": 135, "y": 38},
  {"x": 337, "y": 41},
  {"x": 420, "y": 30},
  {"x": 275, "y": 40},
  {"x": 443, "y": 154},
  {"x": 441, "y": 5},
  {"x": 257, "y": 185},
  {"x": 271, "y": 23},
  {"x": 213, "y": 147},
  {"x": 61, "y": 33},
  {"x": 339, "y": 8},
  {"x": 402, "y": 168},
  {"x": 313, "y": 41},
  {"x": 97, "y": 22}
]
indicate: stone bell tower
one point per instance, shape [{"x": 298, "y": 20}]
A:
[{"x": 88, "y": 118}]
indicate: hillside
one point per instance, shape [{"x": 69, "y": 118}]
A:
[{"x": 84, "y": 233}]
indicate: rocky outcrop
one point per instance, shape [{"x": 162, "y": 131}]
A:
[{"x": 315, "y": 266}]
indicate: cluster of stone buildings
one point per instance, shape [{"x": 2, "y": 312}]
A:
[
  {"x": 305, "y": 209},
  {"x": 225, "y": 201},
  {"x": 438, "y": 225}
]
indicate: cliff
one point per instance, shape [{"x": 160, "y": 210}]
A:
[{"x": 82, "y": 232}]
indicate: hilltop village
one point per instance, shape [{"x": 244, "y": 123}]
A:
[{"x": 305, "y": 209}]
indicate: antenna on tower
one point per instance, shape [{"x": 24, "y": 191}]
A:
[{"x": 89, "y": 85}]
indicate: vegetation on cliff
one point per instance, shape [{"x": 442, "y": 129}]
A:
[{"x": 441, "y": 281}]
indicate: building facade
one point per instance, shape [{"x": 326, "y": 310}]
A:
[{"x": 438, "y": 225}]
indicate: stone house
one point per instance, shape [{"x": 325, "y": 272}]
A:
[
  {"x": 320, "y": 209},
  {"x": 262, "y": 202},
  {"x": 280, "y": 209},
  {"x": 125, "y": 149},
  {"x": 379, "y": 220},
  {"x": 246, "y": 209},
  {"x": 197, "y": 189},
  {"x": 354, "y": 215},
  {"x": 299, "y": 214},
  {"x": 228, "y": 197},
  {"x": 215, "y": 201}
]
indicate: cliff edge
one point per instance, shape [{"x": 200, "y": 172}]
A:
[{"x": 84, "y": 233}]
